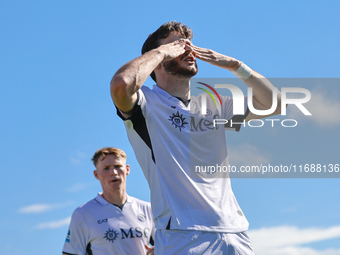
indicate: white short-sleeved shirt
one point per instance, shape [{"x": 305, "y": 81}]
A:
[
  {"x": 101, "y": 228},
  {"x": 170, "y": 139}
]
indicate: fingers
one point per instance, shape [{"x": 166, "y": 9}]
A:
[
  {"x": 150, "y": 250},
  {"x": 179, "y": 42},
  {"x": 199, "y": 49},
  {"x": 199, "y": 52},
  {"x": 190, "y": 46},
  {"x": 208, "y": 55},
  {"x": 202, "y": 51},
  {"x": 204, "y": 54},
  {"x": 172, "y": 50}
]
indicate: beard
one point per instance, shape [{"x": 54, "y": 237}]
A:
[{"x": 173, "y": 68}]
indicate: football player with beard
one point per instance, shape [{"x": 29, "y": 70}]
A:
[{"x": 193, "y": 214}]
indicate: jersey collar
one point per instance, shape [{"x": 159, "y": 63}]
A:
[
  {"x": 161, "y": 91},
  {"x": 103, "y": 202}
]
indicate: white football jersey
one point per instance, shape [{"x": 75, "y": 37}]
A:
[
  {"x": 170, "y": 140},
  {"x": 101, "y": 228}
]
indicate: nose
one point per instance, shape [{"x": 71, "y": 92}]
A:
[
  {"x": 114, "y": 171},
  {"x": 188, "y": 48},
  {"x": 187, "y": 44}
]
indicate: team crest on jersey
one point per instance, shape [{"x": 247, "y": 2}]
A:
[
  {"x": 178, "y": 121},
  {"x": 209, "y": 113},
  {"x": 141, "y": 217},
  {"x": 111, "y": 235}
]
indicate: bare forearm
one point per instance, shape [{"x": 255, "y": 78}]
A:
[
  {"x": 131, "y": 76},
  {"x": 263, "y": 90},
  {"x": 262, "y": 87},
  {"x": 135, "y": 72}
]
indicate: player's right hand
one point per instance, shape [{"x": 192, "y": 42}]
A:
[{"x": 172, "y": 50}]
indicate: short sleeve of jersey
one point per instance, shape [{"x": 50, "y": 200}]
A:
[
  {"x": 76, "y": 240},
  {"x": 140, "y": 103},
  {"x": 137, "y": 120}
]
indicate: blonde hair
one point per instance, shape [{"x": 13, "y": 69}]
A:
[{"x": 107, "y": 151}]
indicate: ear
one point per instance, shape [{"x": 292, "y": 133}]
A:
[
  {"x": 95, "y": 173},
  {"x": 160, "y": 66},
  {"x": 127, "y": 169}
]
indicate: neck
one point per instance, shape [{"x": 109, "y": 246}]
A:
[
  {"x": 175, "y": 86},
  {"x": 118, "y": 198}
]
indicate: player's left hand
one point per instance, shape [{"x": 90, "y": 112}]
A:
[
  {"x": 216, "y": 58},
  {"x": 150, "y": 250}
]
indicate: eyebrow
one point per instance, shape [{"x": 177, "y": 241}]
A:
[{"x": 118, "y": 164}]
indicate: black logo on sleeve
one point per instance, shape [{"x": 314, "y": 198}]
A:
[{"x": 178, "y": 121}]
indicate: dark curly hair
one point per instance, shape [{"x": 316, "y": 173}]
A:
[{"x": 153, "y": 40}]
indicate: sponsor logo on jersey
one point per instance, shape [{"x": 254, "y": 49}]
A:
[
  {"x": 102, "y": 221},
  {"x": 202, "y": 124},
  {"x": 178, "y": 120},
  {"x": 111, "y": 234},
  {"x": 196, "y": 124}
]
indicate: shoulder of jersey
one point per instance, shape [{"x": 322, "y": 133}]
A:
[
  {"x": 87, "y": 205},
  {"x": 140, "y": 202}
]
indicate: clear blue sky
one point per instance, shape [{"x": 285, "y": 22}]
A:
[{"x": 56, "y": 62}]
